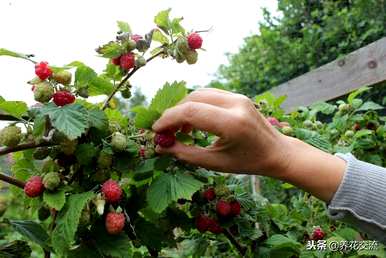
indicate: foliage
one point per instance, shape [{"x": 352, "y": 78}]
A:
[{"x": 307, "y": 35}]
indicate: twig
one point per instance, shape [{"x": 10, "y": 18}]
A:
[
  {"x": 24, "y": 146},
  {"x": 239, "y": 247},
  {"x": 12, "y": 181},
  {"x": 6, "y": 117},
  {"x": 106, "y": 103}
]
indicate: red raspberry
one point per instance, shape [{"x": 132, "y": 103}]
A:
[
  {"x": 356, "y": 127},
  {"x": 116, "y": 60},
  {"x": 63, "y": 97},
  {"x": 273, "y": 121},
  {"x": 115, "y": 222},
  {"x": 203, "y": 222},
  {"x": 209, "y": 194},
  {"x": 215, "y": 227},
  {"x": 42, "y": 70},
  {"x": 136, "y": 37},
  {"x": 235, "y": 208},
  {"x": 111, "y": 191},
  {"x": 194, "y": 40},
  {"x": 223, "y": 208},
  {"x": 34, "y": 186},
  {"x": 142, "y": 152},
  {"x": 127, "y": 61},
  {"x": 318, "y": 234},
  {"x": 165, "y": 139}
]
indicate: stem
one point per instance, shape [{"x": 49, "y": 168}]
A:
[
  {"x": 47, "y": 254},
  {"x": 125, "y": 79},
  {"x": 5, "y": 117},
  {"x": 12, "y": 181},
  {"x": 239, "y": 247},
  {"x": 24, "y": 146}
]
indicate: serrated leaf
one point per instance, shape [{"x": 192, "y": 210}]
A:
[
  {"x": 98, "y": 119},
  {"x": 85, "y": 153},
  {"x": 356, "y": 93},
  {"x": 160, "y": 37},
  {"x": 323, "y": 107},
  {"x": 83, "y": 75},
  {"x": 176, "y": 26},
  {"x": 168, "y": 188},
  {"x": 313, "y": 138},
  {"x": 6, "y": 52},
  {"x": 281, "y": 241},
  {"x": 55, "y": 200},
  {"x": 370, "y": 105},
  {"x": 14, "y": 108},
  {"x": 162, "y": 20},
  {"x": 144, "y": 117},
  {"x": 68, "y": 220},
  {"x": 39, "y": 126},
  {"x": 168, "y": 96},
  {"x": 115, "y": 246},
  {"x": 116, "y": 117},
  {"x": 149, "y": 233},
  {"x": 111, "y": 50},
  {"x": 69, "y": 119},
  {"x": 100, "y": 86},
  {"x": 31, "y": 230},
  {"x": 124, "y": 26}
]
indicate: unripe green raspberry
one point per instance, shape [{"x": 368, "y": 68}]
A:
[
  {"x": 51, "y": 181},
  {"x": 43, "y": 92},
  {"x": 130, "y": 45},
  {"x": 142, "y": 45},
  {"x": 222, "y": 190},
  {"x": 344, "y": 107},
  {"x": 83, "y": 92},
  {"x": 10, "y": 136},
  {"x": 308, "y": 124},
  {"x": 43, "y": 213},
  {"x": 41, "y": 153},
  {"x": 319, "y": 124},
  {"x": 287, "y": 130},
  {"x": 349, "y": 133},
  {"x": 182, "y": 46},
  {"x": 140, "y": 61},
  {"x": 191, "y": 57},
  {"x": 68, "y": 147},
  {"x": 63, "y": 77},
  {"x": 126, "y": 93},
  {"x": 105, "y": 159},
  {"x": 118, "y": 142},
  {"x": 50, "y": 166}
]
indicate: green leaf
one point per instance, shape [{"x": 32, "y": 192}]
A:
[
  {"x": 98, "y": 119},
  {"x": 31, "y": 230},
  {"x": 55, "y": 199},
  {"x": 176, "y": 26},
  {"x": 314, "y": 139},
  {"x": 144, "y": 117},
  {"x": 378, "y": 250},
  {"x": 369, "y": 105},
  {"x": 83, "y": 75},
  {"x": 69, "y": 119},
  {"x": 168, "y": 96},
  {"x": 6, "y": 52},
  {"x": 356, "y": 93},
  {"x": 124, "y": 26},
  {"x": 160, "y": 37},
  {"x": 85, "y": 153},
  {"x": 39, "y": 126},
  {"x": 14, "y": 108},
  {"x": 116, "y": 117},
  {"x": 281, "y": 241},
  {"x": 323, "y": 107},
  {"x": 100, "y": 86},
  {"x": 168, "y": 188},
  {"x": 68, "y": 220},
  {"x": 149, "y": 233},
  {"x": 162, "y": 20},
  {"x": 15, "y": 249},
  {"x": 111, "y": 50},
  {"x": 116, "y": 246}
]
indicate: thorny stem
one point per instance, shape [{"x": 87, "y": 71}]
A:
[
  {"x": 239, "y": 247},
  {"x": 106, "y": 103},
  {"x": 24, "y": 146},
  {"x": 12, "y": 181}
]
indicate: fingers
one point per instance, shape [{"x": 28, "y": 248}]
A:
[{"x": 201, "y": 116}]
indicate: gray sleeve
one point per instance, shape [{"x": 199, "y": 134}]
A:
[{"x": 361, "y": 198}]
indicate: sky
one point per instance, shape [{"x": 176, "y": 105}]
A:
[{"x": 64, "y": 31}]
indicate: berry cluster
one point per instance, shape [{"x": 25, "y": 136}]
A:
[
  {"x": 114, "y": 221},
  {"x": 185, "y": 49}
]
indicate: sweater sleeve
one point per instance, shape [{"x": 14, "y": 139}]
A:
[{"x": 361, "y": 198}]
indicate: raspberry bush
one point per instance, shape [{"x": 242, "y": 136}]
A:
[{"x": 86, "y": 181}]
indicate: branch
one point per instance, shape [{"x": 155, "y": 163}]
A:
[
  {"x": 106, "y": 103},
  {"x": 239, "y": 247},
  {"x": 24, "y": 146},
  {"x": 6, "y": 117},
  {"x": 12, "y": 181}
]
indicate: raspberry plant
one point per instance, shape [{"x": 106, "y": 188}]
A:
[{"x": 94, "y": 187}]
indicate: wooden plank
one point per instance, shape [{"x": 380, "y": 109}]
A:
[{"x": 363, "y": 67}]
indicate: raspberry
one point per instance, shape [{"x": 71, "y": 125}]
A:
[
  {"x": 63, "y": 97},
  {"x": 308, "y": 124},
  {"x": 165, "y": 139},
  {"x": 203, "y": 222},
  {"x": 127, "y": 61},
  {"x": 118, "y": 142},
  {"x": 43, "y": 92},
  {"x": 116, "y": 60},
  {"x": 63, "y": 77},
  {"x": 51, "y": 180},
  {"x": 273, "y": 121},
  {"x": 209, "y": 194},
  {"x": 83, "y": 92},
  {"x": 10, "y": 136},
  {"x": 371, "y": 126},
  {"x": 194, "y": 40},
  {"x": 235, "y": 208},
  {"x": 287, "y": 130},
  {"x": 182, "y": 46},
  {"x": 105, "y": 159},
  {"x": 356, "y": 127},
  {"x": 318, "y": 234},
  {"x": 115, "y": 222},
  {"x": 344, "y": 107},
  {"x": 42, "y": 70},
  {"x": 223, "y": 208},
  {"x": 136, "y": 37},
  {"x": 349, "y": 133},
  {"x": 142, "y": 45},
  {"x": 191, "y": 57},
  {"x": 112, "y": 191},
  {"x": 141, "y": 61},
  {"x": 34, "y": 186},
  {"x": 142, "y": 152},
  {"x": 215, "y": 227}
]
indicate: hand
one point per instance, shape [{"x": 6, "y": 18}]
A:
[{"x": 247, "y": 143}]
